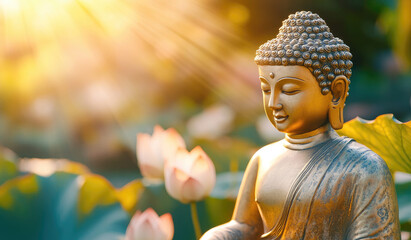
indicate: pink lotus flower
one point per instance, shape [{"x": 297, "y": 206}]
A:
[
  {"x": 152, "y": 150},
  {"x": 149, "y": 226},
  {"x": 190, "y": 176}
]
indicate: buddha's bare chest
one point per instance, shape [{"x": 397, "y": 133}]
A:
[{"x": 275, "y": 178}]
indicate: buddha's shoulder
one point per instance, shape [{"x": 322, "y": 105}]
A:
[
  {"x": 270, "y": 149},
  {"x": 360, "y": 159}
]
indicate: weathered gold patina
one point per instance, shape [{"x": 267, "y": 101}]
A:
[{"x": 313, "y": 184}]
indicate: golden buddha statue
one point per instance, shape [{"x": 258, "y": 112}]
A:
[{"x": 313, "y": 184}]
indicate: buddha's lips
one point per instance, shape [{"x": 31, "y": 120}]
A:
[{"x": 280, "y": 118}]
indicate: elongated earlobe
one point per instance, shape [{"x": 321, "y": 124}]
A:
[{"x": 339, "y": 89}]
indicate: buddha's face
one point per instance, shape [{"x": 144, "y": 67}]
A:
[{"x": 292, "y": 99}]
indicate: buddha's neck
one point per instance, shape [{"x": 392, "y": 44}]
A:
[{"x": 309, "y": 139}]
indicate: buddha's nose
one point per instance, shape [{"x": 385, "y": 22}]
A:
[{"x": 273, "y": 103}]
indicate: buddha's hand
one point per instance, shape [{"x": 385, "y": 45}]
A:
[{"x": 232, "y": 230}]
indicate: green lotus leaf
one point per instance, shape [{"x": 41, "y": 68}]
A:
[
  {"x": 129, "y": 195},
  {"x": 96, "y": 190},
  {"x": 65, "y": 206},
  {"x": 388, "y": 137},
  {"x": 8, "y": 170}
]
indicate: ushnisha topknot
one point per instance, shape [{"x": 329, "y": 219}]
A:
[{"x": 305, "y": 39}]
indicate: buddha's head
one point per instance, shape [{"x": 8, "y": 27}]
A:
[{"x": 304, "y": 75}]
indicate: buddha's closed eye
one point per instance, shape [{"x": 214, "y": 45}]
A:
[
  {"x": 265, "y": 88},
  {"x": 290, "y": 89}
]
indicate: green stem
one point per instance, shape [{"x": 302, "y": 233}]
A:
[{"x": 194, "y": 217}]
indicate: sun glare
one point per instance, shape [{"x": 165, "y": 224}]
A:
[{"x": 116, "y": 61}]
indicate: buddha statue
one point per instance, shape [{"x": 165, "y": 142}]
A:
[{"x": 313, "y": 184}]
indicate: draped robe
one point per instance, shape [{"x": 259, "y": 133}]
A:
[{"x": 345, "y": 191}]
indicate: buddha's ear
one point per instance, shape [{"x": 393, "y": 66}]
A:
[{"x": 339, "y": 90}]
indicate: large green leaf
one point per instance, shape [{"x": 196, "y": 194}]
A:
[
  {"x": 386, "y": 136},
  {"x": 65, "y": 206}
]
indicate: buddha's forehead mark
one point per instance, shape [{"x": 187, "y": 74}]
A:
[{"x": 272, "y": 75}]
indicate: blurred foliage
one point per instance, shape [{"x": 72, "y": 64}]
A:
[
  {"x": 386, "y": 136},
  {"x": 227, "y": 153},
  {"x": 402, "y": 39},
  {"x": 55, "y": 207},
  {"x": 404, "y": 203},
  {"x": 220, "y": 204},
  {"x": 62, "y": 205},
  {"x": 8, "y": 168}
]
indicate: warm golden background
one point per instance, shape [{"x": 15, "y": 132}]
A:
[{"x": 79, "y": 78}]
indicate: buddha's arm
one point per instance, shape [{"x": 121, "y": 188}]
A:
[
  {"x": 246, "y": 222},
  {"x": 232, "y": 230}
]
